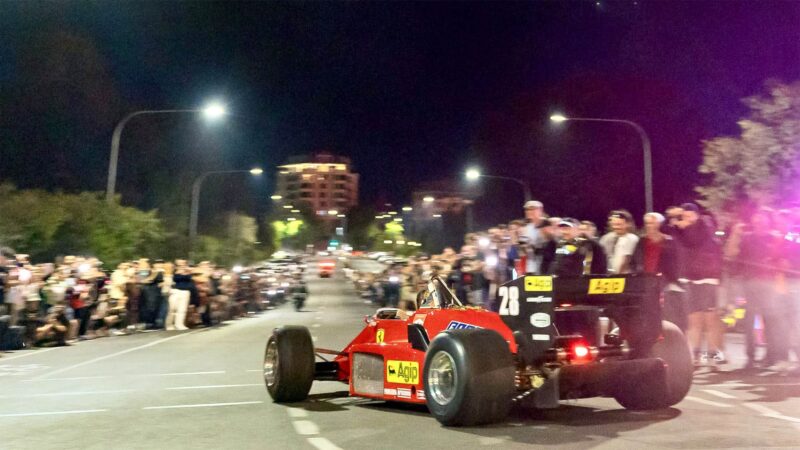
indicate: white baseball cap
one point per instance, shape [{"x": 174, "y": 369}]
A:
[{"x": 530, "y": 204}]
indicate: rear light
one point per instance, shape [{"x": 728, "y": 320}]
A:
[{"x": 580, "y": 353}]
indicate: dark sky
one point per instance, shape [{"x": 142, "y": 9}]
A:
[{"x": 417, "y": 91}]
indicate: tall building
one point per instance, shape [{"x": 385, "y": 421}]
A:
[{"x": 321, "y": 182}]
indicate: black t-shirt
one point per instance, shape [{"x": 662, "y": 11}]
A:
[{"x": 3, "y": 278}]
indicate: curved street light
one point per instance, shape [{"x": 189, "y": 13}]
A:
[
  {"x": 198, "y": 183},
  {"x": 212, "y": 112},
  {"x": 473, "y": 174},
  {"x": 648, "y": 157}
]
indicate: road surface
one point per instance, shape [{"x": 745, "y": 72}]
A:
[{"x": 204, "y": 389}]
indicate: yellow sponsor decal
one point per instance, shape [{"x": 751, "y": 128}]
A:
[
  {"x": 379, "y": 335},
  {"x": 402, "y": 372},
  {"x": 538, "y": 284},
  {"x": 606, "y": 285}
]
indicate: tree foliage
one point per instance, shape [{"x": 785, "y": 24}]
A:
[{"x": 760, "y": 167}]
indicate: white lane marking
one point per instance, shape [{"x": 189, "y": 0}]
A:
[
  {"x": 316, "y": 325},
  {"x": 255, "y": 370},
  {"x": 305, "y": 427},
  {"x": 202, "y": 405},
  {"x": 213, "y": 386},
  {"x": 68, "y": 379},
  {"x": 215, "y": 372},
  {"x": 769, "y": 412},
  {"x": 59, "y": 394},
  {"x": 323, "y": 444},
  {"x": 25, "y": 355},
  {"x": 707, "y": 402},
  {"x": 751, "y": 385},
  {"x": 718, "y": 394},
  {"x": 53, "y": 413},
  {"x": 297, "y": 413},
  {"x": 113, "y": 355}
]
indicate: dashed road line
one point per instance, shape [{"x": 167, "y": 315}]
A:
[
  {"x": 769, "y": 412},
  {"x": 316, "y": 325},
  {"x": 322, "y": 444},
  {"x": 214, "y": 372},
  {"x": 202, "y": 405},
  {"x": 719, "y": 394},
  {"x": 54, "y": 413},
  {"x": 99, "y": 377},
  {"x": 297, "y": 413},
  {"x": 305, "y": 427},
  {"x": 115, "y": 354},
  {"x": 213, "y": 386},
  {"x": 707, "y": 402},
  {"x": 25, "y": 355}
]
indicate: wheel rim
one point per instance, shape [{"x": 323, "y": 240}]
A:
[
  {"x": 271, "y": 363},
  {"x": 442, "y": 378}
]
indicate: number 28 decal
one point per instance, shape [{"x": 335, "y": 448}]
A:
[{"x": 509, "y": 304}]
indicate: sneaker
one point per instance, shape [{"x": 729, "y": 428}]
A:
[
  {"x": 718, "y": 358},
  {"x": 700, "y": 358}
]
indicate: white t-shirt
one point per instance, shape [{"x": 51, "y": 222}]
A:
[{"x": 617, "y": 248}]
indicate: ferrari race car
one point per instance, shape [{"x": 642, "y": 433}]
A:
[{"x": 547, "y": 342}]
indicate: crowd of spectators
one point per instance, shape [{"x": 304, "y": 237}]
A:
[
  {"x": 703, "y": 270},
  {"x": 55, "y": 304}
]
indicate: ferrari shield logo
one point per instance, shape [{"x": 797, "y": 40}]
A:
[{"x": 379, "y": 336}]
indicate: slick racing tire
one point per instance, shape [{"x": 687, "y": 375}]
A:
[
  {"x": 643, "y": 394},
  {"x": 289, "y": 364},
  {"x": 469, "y": 377}
]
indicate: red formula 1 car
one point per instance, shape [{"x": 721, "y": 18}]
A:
[{"x": 549, "y": 341}]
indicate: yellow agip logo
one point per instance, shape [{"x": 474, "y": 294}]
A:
[
  {"x": 538, "y": 284},
  {"x": 606, "y": 285},
  {"x": 402, "y": 372}
]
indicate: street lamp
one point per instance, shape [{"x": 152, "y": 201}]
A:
[
  {"x": 276, "y": 197},
  {"x": 428, "y": 199},
  {"x": 473, "y": 174},
  {"x": 212, "y": 112},
  {"x": 648, "y": 158},
  {"x": 198, "y": 182}
]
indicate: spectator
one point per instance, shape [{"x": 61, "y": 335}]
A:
[
  {"x": 756, "y": 249},
  {"x": 588, "y": 230},
  {"x": 53, "y": 328},
  {"x": 656, "y": 253},
  {"x": 620, "y": 243},
  {"x": 533, "y": 237},
  {"x": 703, "y": 269},
  {"x": 576, "y": 255}
]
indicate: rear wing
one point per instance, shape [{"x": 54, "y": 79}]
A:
[{"x": 527, "y": 305}]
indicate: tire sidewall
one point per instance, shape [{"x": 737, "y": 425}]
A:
[{"x": 455, "y": 348}]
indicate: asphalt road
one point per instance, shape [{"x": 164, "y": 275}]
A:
[{"x": 204, "y": 389}]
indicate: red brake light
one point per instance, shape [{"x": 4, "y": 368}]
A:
[{"x": 581, "y": 352}]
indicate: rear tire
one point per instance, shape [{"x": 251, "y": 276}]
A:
[
  {"x": 674, "y": 350},
  {"x": 289, "y": 364},
  {"x": 469, "y": 377}
]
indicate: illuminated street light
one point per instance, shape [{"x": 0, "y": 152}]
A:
[
  {"x": 340, "y": 216},
  {"x": 387, "y": 242},
  {"x": 291, "y": 219},
  {"x": 398, "y": 219},
  {"x": 214, "y": 111},
  {"x": 437, "y": 216},
  {"x": 473, "y": 174},
  {"x": 407, "y": 208},
  {"x": 295, "y": 211},
  {"x": 648, "y": 158},
  {"x": 428, "y": 199},
  {"x": 333, "y": 212},
  {"x": 392, "y": 213},
  {"x": 379, "y": 217},
  {"x": 195, "y": 208},
  {"x": 276, "y": 197},
  {"x": 288, "y": 206}
]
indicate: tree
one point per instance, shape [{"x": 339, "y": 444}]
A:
[{"x": 760, "y": 167}]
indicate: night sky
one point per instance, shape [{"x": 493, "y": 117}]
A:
[{"x": 412, "y": 92}]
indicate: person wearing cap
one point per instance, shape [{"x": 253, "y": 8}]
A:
[
  {"x": 620, "y": 243},
  {"x": 576, "y": 255},
  {"x": 702, "y": 272},
  {"x": 657, "y": 254},
  {"x": 533, "y": 236}
]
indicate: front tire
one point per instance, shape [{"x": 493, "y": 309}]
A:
[
  {"x": 289, "y": 364},
  {"x": 469, "y": 377},
  {"x": 673, "y": 349}
]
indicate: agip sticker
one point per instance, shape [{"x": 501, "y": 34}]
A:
[
  {"x": 538, "y": 284},
  {"x": 402, "y": 372},
  {"x": 606, "y": 285}
]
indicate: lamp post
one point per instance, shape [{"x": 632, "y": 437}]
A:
[
  {"x": 648, "y": 157},
  {"x": 473, "y": 174},
  {"x": 198, "y": 183},
  {"x": 212, "y": 111}
]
